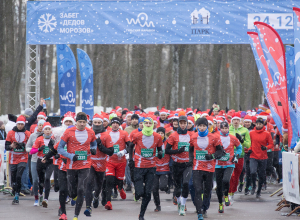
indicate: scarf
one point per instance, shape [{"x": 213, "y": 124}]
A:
[
  {"x": 148, "y": 131},
  {"x": 204, "y": 133},
  {"x": 47, "y": 136},
  {"x": 180, "y": 131},
  {"x": 98, "y": 129},
  {"x": 224, "y": 134}
]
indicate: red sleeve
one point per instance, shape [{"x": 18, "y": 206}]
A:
[
  {"x": 160, "y": 142},
  {"x": 217, "y": 140},
  {"x": 108, "y": 141},
  {"x": 270, "y": 141},
  {"x": 65, "y": 136},
  {"x": 236, "y": 141},
  {"x": 56, "y": 146},
  {"x": 134, "y": 138},
  {"x": 170, "y": 140},
  {"x": 9, "y": 136},
  {"x": 126, "y": 137},
  {"x": 250, "y": 133},
  {"x": 123, "y": 126},
  {"x": 192, "y": 141},
  {"x": 37, "y": 143},
  {"x": 93, "y": 136}
]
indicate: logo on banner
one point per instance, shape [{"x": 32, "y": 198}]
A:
[
  {"x": 69, "y": 97},
  {"x": 89, "y": 102},
  {"x": 291, "y": 175},
  {"x": 200, "y": 22},
  {"x": 47, "y": 23},
  {"x": 142, "y": 20}
]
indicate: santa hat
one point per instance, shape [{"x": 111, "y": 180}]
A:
[
  {"x": 219, "y": 119},
  {"x": 21, "y": 120},
  {"x": 248, "y": 118},
  {"x": 263, "y": 115},
  {"x": 254, "y": 119},
  {"x": 285, "y": 127},
  {"x": 210, "y": 120},
  {"x": 69, "y": 116},
  {"x": 97, "y": 117},
  {"x": 106, "y": 117},
  {"x": 47, "y": 125},
  {"x": 163, "y": 112},
  {"x": 191, "y": 119},
  {"x": 204, "y": 114},
  {"x": 272, "y": 122},
  {"x": 129, "y": 114},
  {"x": 43, "y": 115},
  {"x": 118, "y": 114},
  {"x": 118, "y": 108},
  {"x": 236, "y": 116},
  {"x": 189, "y": 111}
]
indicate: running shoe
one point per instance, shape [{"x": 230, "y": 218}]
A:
[
  {"x": 227, "y": 201},
  {"x": 221, "y": 208},
  {"x": 128, "y": 188},
  {"x": 75, "y": 218},
  {"x": 182, "y": 210},
  {"x": 73, "y": 201},
  {"x": 40, "y": 200},
  {"x": 95, "y": 202},
  {"x": 204, "y": 214},
  {"x": 67, "y": 199},
  {"x": 115, "y": 194},
  {"x": 200, "y": 217},
  {"x": 108, "y": 206},
  {"x": 88, "y": 212},
  {"x": 258, "y": 195},
  {"x": 16, "y": 199},
  {"x": 174, "y": 200},
  {"x": 253, "y": 190},
  {"x": 59, "y": 211},
  {"x": 122, "y": 194},
  {"x": 178, "y": 207},
  {"x": 247, "y": 191},
  {"x": 63, "y": 217},
  {"x": 157, "y": 209},
  {"x": 264, "y": 187},
  {"x": 36, "y": 202},
  {"x": 141, "y": 217},
  {"x": 45, "y": 203},
  {"x": 240, "y": 189}
]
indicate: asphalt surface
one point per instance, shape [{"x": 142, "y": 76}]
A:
[{"x": 244, "y": 207}]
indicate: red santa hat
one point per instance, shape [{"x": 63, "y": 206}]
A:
[
  {"x": 204, "y": 114},
  {"x": 189, "y": 111},
  {"x": 163, "y": 111},
  {"x": 285, "y": 127},
  {"x": 236, "y": 116},
  {"x": 272, "y": 122},
  {"x": 254, "y": 119},
  {"x": 69, "y": 116},
  {"x": 97, "y": 117},
  {"x": 248, "y": 118},
  {"x": 263, "y": 115},
  {"x": 219, "y": 119},
  {"x": 118, "y": 108},
  {"x": 47, "y": 125},
  {"x": 43, "y": 115},
  {"x": 191, "y": 119},
  {"x": 21, "y": 120},
  {"x": 210, "y": 120},
  {"x": 105, "y": 117}
]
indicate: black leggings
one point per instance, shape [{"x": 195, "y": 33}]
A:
[
  {"x": 111, "y": 182},
  {"x": 182, "y": 175},
  {"x": 203, "y": 183},
  {"x": 269, "y": 169},
  {"x": 94, "y": 182},
  {"x": 246, "y": 170},
  {"x": 78, "y": 183},
  {"x": 44, "y": 171},
  {"x": 63, "y": 189},
  {"x": 277, "y": 165},
  {"x": 56, "y": 184},
  {"x": 258, "y": 166},
  {"x": 16, "y": 171},
  {"x": 223, "y": 176},
  {"x": 143, "y": 183},
  {"x": 160, "y": 183}
]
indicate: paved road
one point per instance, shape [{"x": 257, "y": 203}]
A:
[{"x": 244, "y": 207}]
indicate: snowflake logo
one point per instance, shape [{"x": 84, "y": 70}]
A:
[
  {"x": 47, "y": 23},
  {"x": 61, "y": 56}
]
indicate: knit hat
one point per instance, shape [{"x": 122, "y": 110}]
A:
[
  {"x": 21, "y": 120},
  {"x": 124, "y": 112},
  {"x": 47, "y": 125},
  {"x": 28, "y": 111},
  {"x": 115, "y": 120},
  {"x": 134, "y": 116},
  {"x": 141, "y": 119},
  {"x": 202, "y": 121},
  {"x": 42, "y": 115},
  {"x": 224, "y": 124},
  {"x": 248, "y": 118},
  {"x": 113, "y": 115},
  {"x": 260, "y": 120},
  {"x": 69, "y": 116},
  {"x": 161, "y": 129},
  {"x": 97, "y": 117}
]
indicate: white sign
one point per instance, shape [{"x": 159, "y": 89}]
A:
[
  {"x": 290, "y": 167},
  {"x": 2, "y": 163}
]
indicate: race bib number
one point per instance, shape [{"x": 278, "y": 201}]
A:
[
  {"x": 19, "y": 150},
  {"x": 82, "y": 155},
  {"x": 147, "y": 153},
  {"x": 116, "y": 148},
  {"x": 163, "y": 153},
  {"x": 46, "y": 150},
  {"x": 186, "y": 144},
  {"x": 225, "y": 158},
  {"x": 200, "y": 154}
]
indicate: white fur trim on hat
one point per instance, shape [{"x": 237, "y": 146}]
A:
[
  {"x": 166, "y": 113},
  {"x": 190, "y": 121},
  {"x": 97, "y": 119},
  {"x": 249, "y": 120},
  {"x": 47, "y": 126},
  {"x": 20, "y": 122},
  {"x": 106, "y": 119},
  {"x": 262, "y": 116},
  {"x": 235, "y": 117},
  {"x": 69, "y": 119},
  {"x": 210, "y": 122},
  {"x": 204, "y": 114},
  {"x": 285, "y": 130}
]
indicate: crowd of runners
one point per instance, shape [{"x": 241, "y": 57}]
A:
[{"x": 109, "y": 154}]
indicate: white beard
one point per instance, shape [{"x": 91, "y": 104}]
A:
[{"x": 58, "y": 132}]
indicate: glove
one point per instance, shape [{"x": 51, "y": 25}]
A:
[
  {"x": 182, "y": 149},
  {"x": 238, "y": 136},
  {"x": 189, "y": 164},
  {"x": 57, "y": 156},
  {"x": 75, "y": 158},
  {"x": 263, "y": 148},
  {"x": 51, "y": 143},
  {"x": 121, "y": 153},
  {"x": 99, "y": 142},
  {"x": 20, "y": 146},
  {"x": 249, "y": 151},
  {"x": 159, "y": 154},
  {"x": 64, "y": 160},
  {"x": 209, "y": 157},
  {"x": 42, "y": 148},
  {"x": 235, "y": 159},
  {"x": 131, "y": 164},
  {"x": 93, "y": 151}
]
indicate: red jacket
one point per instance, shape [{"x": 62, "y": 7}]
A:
[{"x": 260, "y": 138}]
